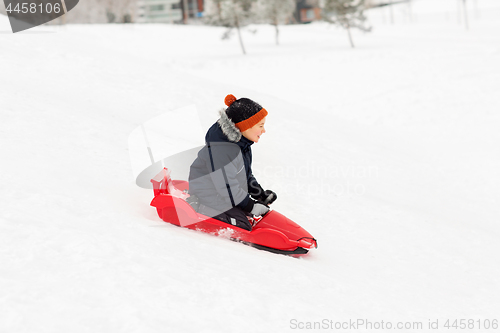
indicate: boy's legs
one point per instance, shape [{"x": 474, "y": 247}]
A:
[{"x": 235, "y": 216}]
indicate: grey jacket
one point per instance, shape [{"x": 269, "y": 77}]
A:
[{"x": 221, "y": 176}]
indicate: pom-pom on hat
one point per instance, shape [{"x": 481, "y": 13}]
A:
[
  {"x": 244, "y": 112},
  {"x": 229, "y": 99}
]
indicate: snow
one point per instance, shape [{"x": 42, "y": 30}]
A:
[{"x": 386, "y": 153}]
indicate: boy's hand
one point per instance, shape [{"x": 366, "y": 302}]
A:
[
  {"x": 268, "y": 197},
  {"x": 259, "y": 209}
]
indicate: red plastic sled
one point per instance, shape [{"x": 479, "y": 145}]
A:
[{"x": 274, "y": 232}]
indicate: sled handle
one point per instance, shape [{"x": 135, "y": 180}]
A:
[{"x": 268, "y": 199}]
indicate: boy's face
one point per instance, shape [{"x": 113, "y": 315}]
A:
[{"x": 254, "y": 133}]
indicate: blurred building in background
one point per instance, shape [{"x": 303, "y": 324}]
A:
[
  {"x": 168, "y": 11},
  {"x": 195, "y": 9},
  {"x": 307, "y": 11},
  {"x": 159, "y": 11}
]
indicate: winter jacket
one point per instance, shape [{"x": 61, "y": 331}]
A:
[{"x": 221, "y": 176}]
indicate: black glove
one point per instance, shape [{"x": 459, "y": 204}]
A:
[
  {"x": 257, "y": 192},
  {"x": 268, "y": 197}
]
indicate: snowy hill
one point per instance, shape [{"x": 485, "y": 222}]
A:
[{"x": 387, "y": 154}]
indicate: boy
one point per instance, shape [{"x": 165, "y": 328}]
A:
[{"x": 221, "y": 176}]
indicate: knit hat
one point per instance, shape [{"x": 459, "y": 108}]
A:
[{"x": 244, "y": 112}]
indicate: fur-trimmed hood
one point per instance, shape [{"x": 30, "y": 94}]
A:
[
  {"x": 224, "y": 130},
  {"x": 228, "y": 127}
]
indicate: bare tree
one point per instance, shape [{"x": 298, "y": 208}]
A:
[
  {"x": 233, "y": 14},
  {"x": 88, "y": 11},
  {"x": 410, "y": 11},
  {"x": 466, "y": 18},
  {"x": 391, "y": 9},
  {"x": 2, "y": 8},
  {"x": 119, "y": 11},
  {"x": 346, "y": 13},
  {"x": 276, "y": 12}
]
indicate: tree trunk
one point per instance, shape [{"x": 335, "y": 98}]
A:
[
  {"x": 219, "y": 11},
  {"x": 239, "y": 36},
  {"x": 410, "y": 11},
  {"x": 350, "y": 36},
  {"x": 466, "y": 19},
  {"x": 277, "y": 32},
  {"x": 62, "y": 19},
  {"x": 392, "y": 11}
]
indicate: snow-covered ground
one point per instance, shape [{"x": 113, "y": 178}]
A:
[{"x": 386, "y": 153}]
